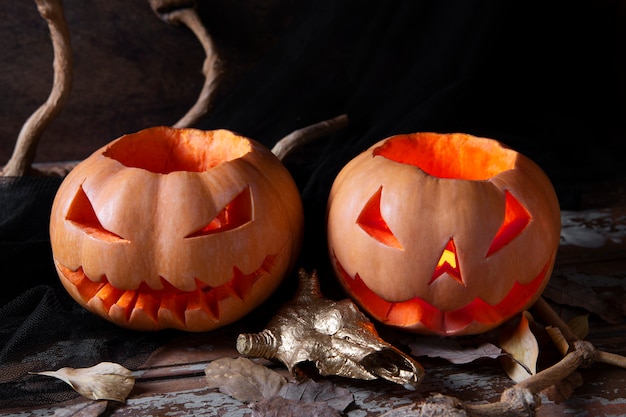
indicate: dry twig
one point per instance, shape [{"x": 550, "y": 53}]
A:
[
  {"x": 21, "y": 161},
  {"x": 308, "y": 134},
  {"x": 522, "y": 399},
  {"x": 184, "y": 11}
]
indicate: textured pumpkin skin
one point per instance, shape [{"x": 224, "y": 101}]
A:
[
  {"x": 127, "y": 234},
  {"x": 435, "y": 189}
]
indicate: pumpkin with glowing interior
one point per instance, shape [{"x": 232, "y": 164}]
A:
[
  {"x": 176, "y": 228},
  {"x": 445, "y": 234}
]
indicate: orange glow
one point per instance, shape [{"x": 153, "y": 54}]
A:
[
  {"x": 236, "y": 213},
  {"x": 448, "y": 263},
  {"x": 453, "y": 156},
  {"x": 372, "y": 222},
  {"x": 82, "y": 214},
  {"x": 163, "y": 150},
  {"x": 516, "y": 218},
  {"x": 152, "y": 302},
  {"x": 417, "y": 310}
]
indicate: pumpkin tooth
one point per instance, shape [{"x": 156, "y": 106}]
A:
[
  {"x": 120, "y": 311},
  {"x": 212, "y": 304},
  {"x": 268, "y": 265},
  {"x": 200, "y": 302},
  {"x": 144, "y": 314},
  {"x": 241, "y": 284},
  {"x": 172, "y": 309},
  {"x": 108, "y": 294},
  {"x": 415, "y": 311},
  {"x": 86, "y": 287},
  {"x": 173, "y": 304}
]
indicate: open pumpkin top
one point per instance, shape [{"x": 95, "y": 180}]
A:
[
  {"x": 454, "y": 156},
  {"x": 163, "y": 150}
]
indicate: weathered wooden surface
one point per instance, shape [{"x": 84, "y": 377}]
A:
[{"x": 591, "y": 262}]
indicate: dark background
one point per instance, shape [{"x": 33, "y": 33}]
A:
[{"x": 547, "y": 78}]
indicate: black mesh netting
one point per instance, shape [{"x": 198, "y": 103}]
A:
[
  {"x": 41, "y": 327},
  {"x": 539, "y": 76}
]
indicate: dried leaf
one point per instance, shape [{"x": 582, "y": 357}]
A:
[
  {"x": 243, "y": 379},
  {"x": 521, "y": 345},
  {"x": 324, "y": 391},
  {"x": 104, "y": 381},
  {"x": 580, "y": 326},
  {"x": 282, "y": 407},
  {"x": 452, "y": 351},
  {"x": 599, "y": 294},
  {"x": 558, "y": 339}
]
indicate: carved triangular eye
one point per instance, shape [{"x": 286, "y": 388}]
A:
[
  {"x": 235, "y": 214},
  {"x": 372, "y": 222},
  {"x": 82, "y": 214},
  {"x": 516, "y": 218},
  {"x": 448, "y": 263}
]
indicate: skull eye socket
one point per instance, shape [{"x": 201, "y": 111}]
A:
[
  {"x": 516, "y": 218},
  {"x": 235, "y": 214},
  {"x": 82, "y": 214},
  {"x": 372, "y": 222}
]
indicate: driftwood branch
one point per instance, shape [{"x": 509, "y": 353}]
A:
[
  {"x": 184, "y": 12},
  {"x": 308, "y": 134},
  {"x": 23, "y": 155}
]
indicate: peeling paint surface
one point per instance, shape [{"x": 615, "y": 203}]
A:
[{"x": 592, "y": 229}]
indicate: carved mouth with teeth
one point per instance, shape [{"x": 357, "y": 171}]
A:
[
  {"x": 417, "y": 313},
  {"x": 168, "y": 307}
]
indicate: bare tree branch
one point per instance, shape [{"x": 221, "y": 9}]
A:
[{"x": 21, "y": 161}]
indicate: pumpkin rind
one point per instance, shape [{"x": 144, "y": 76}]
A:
[
  {"x": 458, "y": 208},
  {"x": 167, "y": 261}
]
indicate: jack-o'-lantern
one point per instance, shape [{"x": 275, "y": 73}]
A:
[
  {"x": 445, "y": 234},
  {"x": 176, "y": 228}
]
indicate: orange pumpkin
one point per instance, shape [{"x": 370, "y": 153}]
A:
[
  {"x": 447, "y": 234},
  {"x": 176, "y": 228}
]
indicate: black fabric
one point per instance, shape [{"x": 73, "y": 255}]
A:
[
  {"x": 43, "y": 329},
  {"x": 25, "y": 205},
  {"x": 539, "y": 76}
]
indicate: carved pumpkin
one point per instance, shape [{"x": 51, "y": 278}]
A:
[
  {"x": 447, "y": 234},
  {"x": 176, "y": 228}
]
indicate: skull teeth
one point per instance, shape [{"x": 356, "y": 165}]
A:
[{"x": 149, "y": 308}]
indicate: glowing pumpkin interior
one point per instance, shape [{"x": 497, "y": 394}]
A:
[{"x": 180, "y": 150}]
